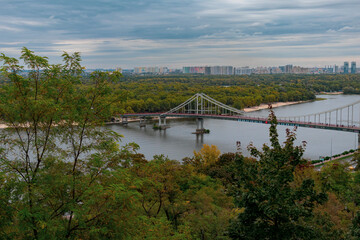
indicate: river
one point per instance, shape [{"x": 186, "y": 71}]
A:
[{"x": 178, "y": 141}]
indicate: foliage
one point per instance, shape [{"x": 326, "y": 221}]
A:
[
  {"x": 274, "y": 208},
  {"x": 356, "y": 159},
  {"x": 192, "y": 203},
  {"x": 336, "y": 178},
  {"x": 207, "y": 155},
  {"x": 55, "y": 158}
]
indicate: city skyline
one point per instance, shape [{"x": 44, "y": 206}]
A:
[
  {"x": 126, "y": 34},
  {"x": 232, "y": 70}
]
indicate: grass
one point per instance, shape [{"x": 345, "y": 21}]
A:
[
  {"x": 337, "y": 160},
  {"x": 320, "y": 99}
]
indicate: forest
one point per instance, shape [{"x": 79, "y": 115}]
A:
[
  {"x": 65, "y": 176},
  {"x": 161, "y": 93}
]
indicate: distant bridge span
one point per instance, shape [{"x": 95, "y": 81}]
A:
[
  {"x": 240, "y": 118},
  {"x": 201, "y": 106}
]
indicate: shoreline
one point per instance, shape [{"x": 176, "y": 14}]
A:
[
  {"x": 274, "y": 105},
  {"x": 330, "y": 93}
]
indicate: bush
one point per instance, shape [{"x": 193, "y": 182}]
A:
[{"x": 315, "y": 161}]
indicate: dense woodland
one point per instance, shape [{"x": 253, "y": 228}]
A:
[
  {"x": 161, "y": 93},
  {"x": 63, "y": 176}
]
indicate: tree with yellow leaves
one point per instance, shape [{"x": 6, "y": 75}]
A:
[{"x": 208, "y": 155}]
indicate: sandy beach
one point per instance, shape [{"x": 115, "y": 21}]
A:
[
  {"x": 274, "y": 105},
  {"x": 331, "y": 93}
]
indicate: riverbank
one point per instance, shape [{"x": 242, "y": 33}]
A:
[
  {"x": 274, "y": 105},
  {"x": 334, "y": 159},
  {"x": 331, "y": 93}
]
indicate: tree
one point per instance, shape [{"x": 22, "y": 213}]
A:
[
  {"x": 273, "y": 208},
  {"x": 336, "y": 177},
  {"x": 207, "y": 155},
  {"x": 55, "y": 159},
  {"x": 356, "y": 159},
  {"x": 194, "y": 204}
]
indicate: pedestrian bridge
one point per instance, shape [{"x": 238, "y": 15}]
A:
[{"x": 201, "y": 106}]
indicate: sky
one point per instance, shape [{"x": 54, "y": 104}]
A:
[{"x": 129, "y": 33}]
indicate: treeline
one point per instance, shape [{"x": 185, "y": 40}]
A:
[
  {"x": 161, "y": 93},
  {"x": 158, "y": 94}
]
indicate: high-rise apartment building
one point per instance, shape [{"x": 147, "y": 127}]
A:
[
  {"x": 243, "y": 70},
  {"x": 210, "y": 70},
  {"x": 336, "y": 69},
  {"x": 346, "y": 67},
  {"x": 353, "y": 67},
  {"x": 222, "y": 70},
  {"x": 288, "y": 68},
  {"x": 194, "y": 70}
]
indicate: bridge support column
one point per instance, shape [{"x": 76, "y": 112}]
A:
[
  {"x": 200, "y": 126},
  {"x": 142, "y": 122},
  {"x": 162, "y": 123},
  {"x": 199, "y": 139},
  {"x": 124, "y": 120}
]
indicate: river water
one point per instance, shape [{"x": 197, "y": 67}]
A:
[{"x": 178, "y": 141}]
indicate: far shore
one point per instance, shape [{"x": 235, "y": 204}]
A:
[
  {"x": 274, "y": 105},
  {"x": 331, "y": 93}
]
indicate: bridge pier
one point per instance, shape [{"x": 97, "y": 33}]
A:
[
  {"x": 199, "y": 139},
  {"x": 142, "y": 122},
  {"x": 124, "y": 120},
  {"x": 162, "y": 123},
  {"x": 200, "y": 126}
]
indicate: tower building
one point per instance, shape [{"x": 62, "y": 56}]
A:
[
  {"x": 353, "y": 67},
  {"x": 346, "y": 67}
]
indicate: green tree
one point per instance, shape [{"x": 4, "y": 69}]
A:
[
  {"x": 272, "y": 207},
  {"x": 55, "y": 159},
  {"x": 336, "y": 177},
  {"x": 356, "y": 159},
  {"x": 194, "y": 204}
]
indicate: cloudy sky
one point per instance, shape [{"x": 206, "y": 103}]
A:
[{"x": 128, "y": 33}]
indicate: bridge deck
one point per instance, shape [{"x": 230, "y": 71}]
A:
[{"x": 242, "y": 118}]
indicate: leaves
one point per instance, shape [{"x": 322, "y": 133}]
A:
[{"x": 273, "y": 207}]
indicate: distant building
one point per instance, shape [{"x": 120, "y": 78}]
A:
[
  {"x": 222, "y": 70},
  {"x": 346, "y": 68},
  {"x": 262, "y": 70},
  {"x": 194, "y": 70},
  {"x": 151, "y": 70},
  {"x": 353, "y": 67},
  {"x": 210, "y": 70},
  {"x": 288, "y": 68},
  {"x": 207, "y": 70},
  {"x": 243, "y": 71}
]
